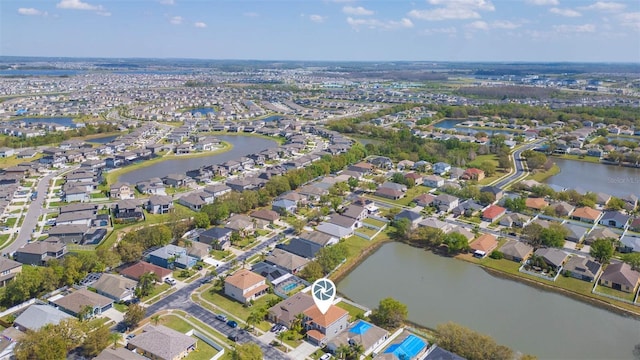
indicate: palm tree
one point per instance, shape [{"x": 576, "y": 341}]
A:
[
  {"x": 296, "y": 325},
  {"x": 342, "y": 351},
  {"x": 155, "y": 319},
  {"x": 114, "y": 338},
  {"x": 356, "y": 350}
]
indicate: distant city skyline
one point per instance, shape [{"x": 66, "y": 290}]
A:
[{"x": 335, "y": 30}]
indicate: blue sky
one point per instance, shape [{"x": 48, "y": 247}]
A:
[{"x": 439, "y": 30}]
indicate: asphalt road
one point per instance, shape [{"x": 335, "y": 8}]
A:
[
  {"x": 518, "y": 163},
  {"x": 181, "y": 300},
  {"x": 36, "y": 208}
]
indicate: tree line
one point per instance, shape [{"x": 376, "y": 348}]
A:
[{"x": 56, "y": 137}]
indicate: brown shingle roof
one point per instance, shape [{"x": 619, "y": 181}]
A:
[
  {"x": 586, "y": 213},
  {"x": 486, "y": 243},
  {"x": 244, "y": 278},
  {"x": 136, "y": 270},
  {"x": 325, "y": 320}
]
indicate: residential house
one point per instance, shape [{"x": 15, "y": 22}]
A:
[
  {"x": 122, "y": 191},
  {"x": 321, "y": 328},
  {"x": 116, "y": 287},
  {"x": 493, "y": 213},
  {"x": 536, "y": 203},
  {"x": 496, "y": 191},
  {"x": 162, "y": 343},
  {"x": 245, "y": 286},
  {"x": 389, "y": 193},
  {"x": 563, "y": 208},
  {"x": 582, "y": 268},
  {"x": 432, "y": 181},
  {"x": 242, "y": 224},
  {"x": 218, "y": 237},
  {"x": 516, "y": 250},
  {"x": 413, "y": 217},
  {"x": 555, "y": 258},
  {"x": 575, "y": 232},
  {"x": 424, "y": 200},
  {"x": 356, "y": 212},
  {"x": 286, "y": 260},
  {"x": 39, "y": 252},
  {"x": 69, "y": 233},
  {"x": 266, "y": 215},
  {"x": 159, "y": 204},
  {"x": 198, "y": 250},
  {"x": 600, "y": 233},
  {"x": 484, "y": 245},
  {"x": 614, "y": 219},
  {"x": 320, "y": 238},
  {"x": 177, "y": 180},
  {"x": 362, "y": 168},
  {"x": 630, "y": 202},
  {"x": 76, "y": 194},
  {"x": 171, "y": 257},
  {"x": 515, "y": 220},
  {"x": 472, "y": 174},
  {"x": 76, "y": 218},
  {"x": 140, "y": 268},
  {"x": 438, "y": 353},
  {"x": 440, "y": 168},
  {"x": 635, "y": 224},
  {"x": 629, "y": 243},
  {"x": 153, "y": 186},
  {"x": 339, "y": 226},
  {"x": 586, "y": 214},
  {"x": 602, "y": 198},
  {"x": 361, "y": 333},
  {"x": 217, "y": 190},
  {"x": 273, "y": 273},
  {"x": 286, "y": 311},
  {"x": 128, "y": 210},
  {"x": 194, "y": 201},
  {"x": 417, "y": 178},
  {"x": 284, "y": 206},
  {"x": 467, "y": 208},
  {"x": 446, "y": 202},
  {"x": 118, "y": 354},
  {"x": 434, "y": 223},
  {"x": 301, "y": 247},
  {"x": 76, "y": 302},
  {"x": 37, "y": 316},
  {"x": 8, "y": 270},
  {"x": 620, "y": 276}
]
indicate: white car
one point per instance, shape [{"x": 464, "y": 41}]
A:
[
  {"x": 325, "y": 357},
  {"x": 170, "y": 281}
]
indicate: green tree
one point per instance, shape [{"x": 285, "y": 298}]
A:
[
  {"x": 114, "y": 338},
  {"x": 85, "y": 313},
  {"x": 486, "y": 198},
  {"x": 632, "y": 259},
  {"x": 201, "y": 220},
  {"x": 488, "y": 167},
  {"x": 532, "y": 234},
  {"x": 146, "y": 284},
  {"x": 298, "y": 225},
  {"x": 456, "y": 242},
  {"x": 470, "y": 344},
  {"x": 134, "y": 315},
  {"x": 247, "y": 351},
  {"x": 312, "y": 271},
  {"x": 155, "y": 319},
  {"x": 96, "y": 341},
  {"x": 402, "y": 228},
  {"x": 602, "y": 250},
  {"x": 108, "y": 256},
  {"x": 389, "y": 314},
  {"x": 427, "y": 236},
  {"x": 515, "y": 204},
  {"x": 256, "y": 316},
  {"x": 615, "y": 204},
  {"x": 554, "y": 235},
  {"x": 353, "y": 183}
]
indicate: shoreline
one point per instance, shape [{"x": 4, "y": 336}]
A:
[
  {"x": 342, "y": 272},
  {"x": 112, "y": 176}
]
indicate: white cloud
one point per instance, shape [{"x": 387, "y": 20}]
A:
[
  {"x": 379, "y": 24},
  {"x": 200, "y": 24},
  {"x": 544, "y": 2},
  {"x": 317, "y": 18},
  {"x": 103, "y": 13},
  {"x": 176, "y": 20},
  {"x": 356, "y": 10},
  {"x": 167, "y": 2},
  {"x": 448, "y": 31},
  {"x": 498, "y": 24},
  {"x": 565, "y": 12},
  {"x": 78, "y": 5},
  {"x": 631, "y": 20},
  {"x": 586, "y": 28},
  {"x": 605, "y": 6},
  {"x": 251, "y": 14},
  {"x": 453, "y": 10},
  {"x": 444, "y": 14},
  {"x": 31, "y": 12}
]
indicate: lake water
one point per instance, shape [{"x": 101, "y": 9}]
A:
[
  {"x": 203, "y": 111},
  {"x": 64, "y": 121},
  {"x": 242, "y": 146},
  {"x": 438, "y": 289},
  {"x": 613, "y": 180},
  {"x": 103, "y": 140},
  {"x": 451, "y": 124}
]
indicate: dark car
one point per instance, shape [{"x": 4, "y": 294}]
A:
[
  {"x": 233, "y": 337},
  {"x": 232, "y": 323},
  {"x": 274, "y": 328}
]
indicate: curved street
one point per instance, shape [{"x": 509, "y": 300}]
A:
[{"x": 518, "y": 164}]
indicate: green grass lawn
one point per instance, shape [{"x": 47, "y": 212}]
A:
[
  {"x": 367, "y": 231},
  {"x": 175, "y": 323},
  {"x": 246, "y": 243},
  {"x": 591, "y": 159},
  {"x": 233, "y": 307},
  {"x": 97, "y": 195},
  {"x": 120, "y": 307},
  {"x": 182, "y": 274},
  {"x": 156, "y": 290},
  {"x": 409, "y": 196},
  {"x": 353, "y": 311},
  {"x": 262, "y": 233},
  {"x": 374, "y": 222},
  {"x": 219, "y": 254},
  {"x": 541, "y": 176},
  {"x": 482, "y": 158},
  {"x": 97, "y": 322},
  {"x": 4, "y": 238},
  {"x": 203, "y": 351},
  {"x": 10, "y": 221},
  {"x": 59, "y": 183},
  {"x": 616, "y": 293}
]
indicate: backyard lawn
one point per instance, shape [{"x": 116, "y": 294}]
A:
[
  {"x": 374, "y": 222},
  {"x": 353, "y": 311},
  {"x": 409, "y": 196},
  {"x": 233, "y": 307},
  {"x": 203, "y": 350}
]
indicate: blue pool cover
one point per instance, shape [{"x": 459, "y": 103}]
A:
[{"x": 408, "y": 348}]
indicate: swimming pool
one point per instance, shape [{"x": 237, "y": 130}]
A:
[{"x": 289, "y": 287}]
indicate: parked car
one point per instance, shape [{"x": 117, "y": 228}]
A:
[
  {"x": 232, "y": 323},
  {"x": 233, "y": 337},
  {"x": 325, "y": 357},
  {"x": 221, "y": 317},
  {"x": 170, "y": 281},
  {"x": 275, "y": 327},
  {"x": 130, "y": 336}
]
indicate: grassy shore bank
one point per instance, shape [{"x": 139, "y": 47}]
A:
[
  {"x": 112, "y": 176},
  {"x": 589, "y": 159},
  {"x": 541, "y": 176},
  {"x": 279, "y": 139}
]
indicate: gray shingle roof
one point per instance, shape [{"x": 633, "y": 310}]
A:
[{"x": 162, "y": 342}]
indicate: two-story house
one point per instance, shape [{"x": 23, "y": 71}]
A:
[
  {"x": 245, "y": 286},
  {"x": 323, "y": 327}
]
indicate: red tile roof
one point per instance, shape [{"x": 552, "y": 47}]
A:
[
  {"x": 138, "y": 269},
  {"x": 493, "y": 212}
]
